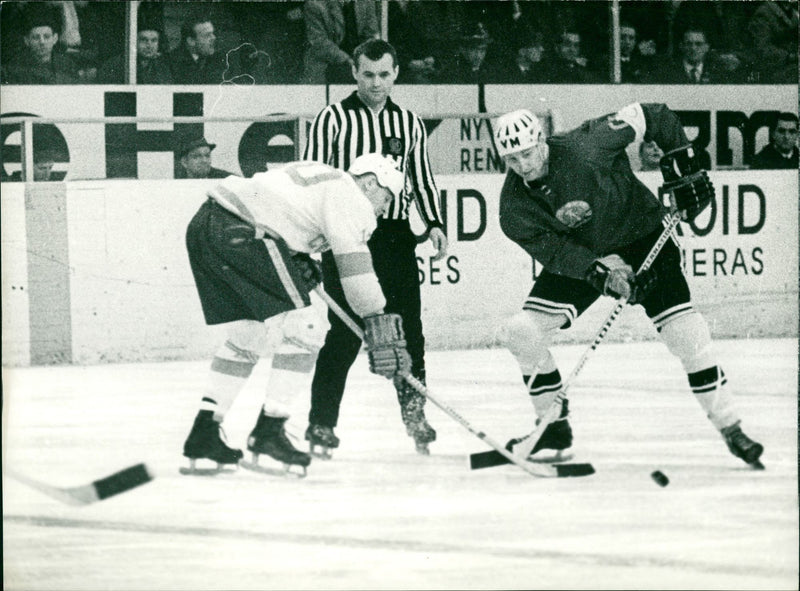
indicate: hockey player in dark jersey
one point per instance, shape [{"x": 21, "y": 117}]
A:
[{"x": 574, "y": 204}]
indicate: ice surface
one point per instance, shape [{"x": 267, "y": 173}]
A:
[{"x": 379, "y": 516}]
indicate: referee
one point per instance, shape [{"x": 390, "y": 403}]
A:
[{"x": 368, "y": 121}]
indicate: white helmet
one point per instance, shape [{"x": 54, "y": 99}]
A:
[
  {"x": 515, "y": 131},
  {"x": 382, "y": 167}
]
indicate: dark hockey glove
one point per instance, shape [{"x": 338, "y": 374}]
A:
[
  {"x": 309, "y": 270},
  {"x": 641, "y": 286},
  {"x": 690, "y": 190},
  {"x": 611, "y": 276},
  {"x": 386, "y": 345}
]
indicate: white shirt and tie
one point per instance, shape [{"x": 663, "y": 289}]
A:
[{"x": 693, "y": 71}]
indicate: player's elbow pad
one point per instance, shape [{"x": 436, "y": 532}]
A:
[{"x": 363, "y": 293}]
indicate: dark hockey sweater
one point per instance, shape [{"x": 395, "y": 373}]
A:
[{"x": 590, "y": 202}]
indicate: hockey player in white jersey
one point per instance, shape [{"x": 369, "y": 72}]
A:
[{"x": 249, "y": 247}]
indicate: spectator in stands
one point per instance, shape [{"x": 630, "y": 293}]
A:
[
  {"x": 151, "y": 65},
  {"x": 773, "y": 28},
  {"x": 196, "y": 61},
  {"x": 649, "y": 155},
  {"x": 43, "y": 162},
  {"x": 693, "y": 66},
  {"x": 525, "y": 65},
  {"x": 781, "y": 152},
  {"x": 277, "y": 31},
  {"x": 195, "y": 160},
  {"x": 41, "y": 63},
  {"x": 724, "y": 23},
  {"x": 469, "y": 64},
  {"x": 333, "y": 30},
  {"x": 422, "y": 33},
  {"x": 634, "y": 64},
  {"x": 567, "y": 65}
]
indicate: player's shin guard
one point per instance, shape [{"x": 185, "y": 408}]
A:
[
  {"x": 689, "y": 339},
  {"x": 290, "y": 374}
]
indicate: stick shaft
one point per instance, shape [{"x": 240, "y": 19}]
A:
[
  {"x": 422, "y": 389},
  {"x": 524, "y": 448}
]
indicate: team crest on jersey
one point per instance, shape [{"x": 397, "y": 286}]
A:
[
  {"x": 574, "y": 214},
  {"x": 394, "y": 146}
]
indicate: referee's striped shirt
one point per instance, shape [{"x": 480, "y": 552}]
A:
[{"x": 347, "y": 129}]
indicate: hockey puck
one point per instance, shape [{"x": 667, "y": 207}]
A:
[{"x": 659, "y": 478}]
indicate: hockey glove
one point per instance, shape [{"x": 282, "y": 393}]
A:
[
  {"x": 690, "y": 190},
  {"x": 386, "y": 345},
  {"x": 310, "y": 270},
  {"x": 643, "y": 283},
  {"x": 611, "y": 276}
]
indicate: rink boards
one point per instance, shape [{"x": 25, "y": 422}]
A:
[{"x": 96, "y": 271}]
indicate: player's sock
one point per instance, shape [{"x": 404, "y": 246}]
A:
[
  {"x": 229, "y": 371},
  {"x": 710, "y": 387},
  {"x": 542, "y": 389}
]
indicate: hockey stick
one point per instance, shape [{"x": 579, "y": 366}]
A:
[
  {"x": 99, "y": 490},
  {"x": 562, "y": 470},
  {"x": 523, "y": 448}
]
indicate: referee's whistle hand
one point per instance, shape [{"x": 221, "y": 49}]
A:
[{"x": 439, "y": 241}]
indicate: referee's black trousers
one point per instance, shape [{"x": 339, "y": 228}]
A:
[{"x": 393, "y": 249}]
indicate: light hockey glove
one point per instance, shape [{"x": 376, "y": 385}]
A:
[
  {"x": 386, "y": 345},
  {"x": 611, "y": 276},
  {"x": 309, "y": 269},
  {"x": 690, "y": 190}
]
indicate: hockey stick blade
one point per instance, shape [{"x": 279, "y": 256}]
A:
[
  {"x": 99, "y": 490},
  {"x": 533, "y": 470},
  {"x": 492, "y": 458},
  {"x": 573, "y": 470},
  {"x": 526, "y": 445},
  {"x": 487, "y": 459}
]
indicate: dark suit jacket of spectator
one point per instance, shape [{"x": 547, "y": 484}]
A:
[
  {"x": 510, "y": 73},
  {"x": 457, "y": 70},
  {"x": 561, "y": 71},
  {"x": 215, "y": 173},
  {"x": 770, "y": 158},
  {"x": 148, "y": 71},
  {"x": 204, "y": 70},
  {"x": 636, "y": 69},
  {"x": 673, "y": 72},
  {"x": 24, "y": 70}
]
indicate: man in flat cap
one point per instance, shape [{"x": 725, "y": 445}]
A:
[{"x": 194, "y": 157}]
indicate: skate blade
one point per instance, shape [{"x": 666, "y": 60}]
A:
[
  {"x": 423, "y": 449},
  {"x": 551, "y": 458},
  {"x": 194, "y": 470},
  {"x": 757, "y": 465},
  {"x": 286, "y": 471},
  {"x": 323, "y": 453}
]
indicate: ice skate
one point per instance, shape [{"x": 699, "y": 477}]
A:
[
  {"x": 321, "y": 440},
  {"x": 205, "y": 443},
  {"x": 554, "y": 444},
  {"x": 269, "y": 438},
  {"x": 742, "y": 446},
  {"x": 412, "y": 411}
]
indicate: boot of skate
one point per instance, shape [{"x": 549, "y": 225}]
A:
[
  {"x": 321, "y": 440},
  {"x": 556, "y": 437},
  {"x": 742, "y": 446},
  {"x": 205, "y": 442},
  {"x": 268, "y": 437},
  {"x": 412, "y": 411}
]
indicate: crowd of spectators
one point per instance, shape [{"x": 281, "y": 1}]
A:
[{"x": 464, "y": 42}]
